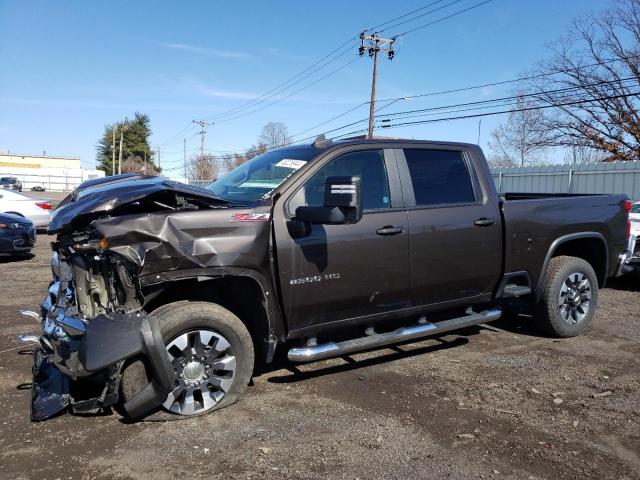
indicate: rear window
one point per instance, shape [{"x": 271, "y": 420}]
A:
[
  {"x": 439, "y": 177},
  {"x": 635, "y": 208}
]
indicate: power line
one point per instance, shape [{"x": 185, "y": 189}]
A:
[
  {"x": 460, "y": 12},
  {"x": 175, "y": 138},
  {"x": 445, "y": 109},
  {"x": 524, "y": 109},
  {"x": 234, "y": 113},
  {"x": 523, "y": 95},
  {"x": 333, "y": 72},
  {"x": 371, "y": 29},
  {"x": 466, "y": 104},
  {"x": 421, "y": 15},
  {"x": 261, "y": 98},
  {"x": 513, "y": 80},
  {"x": 331, "y": 119},
  {"x": 278, "y": 89}
]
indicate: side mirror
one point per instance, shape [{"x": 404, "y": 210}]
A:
[
  {"x": 344, "y": 193},
  {"x": 320, "y": 215},
  {"x": 341, "y": 206},
  {"x": 341, "y": 203}
]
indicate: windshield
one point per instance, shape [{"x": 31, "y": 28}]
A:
[{"x": 258, "y": 177}]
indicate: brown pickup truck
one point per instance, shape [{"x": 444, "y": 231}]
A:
[{"x": 165, "y": 296}]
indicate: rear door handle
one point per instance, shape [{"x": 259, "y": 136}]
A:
[
  {"x": 484, "y": 222},
  {"x": 389, "y": 230}
]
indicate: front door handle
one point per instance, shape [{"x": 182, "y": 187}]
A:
[
  {"x": 389, "y": 230},
  {"x": 484, "y": 222}
]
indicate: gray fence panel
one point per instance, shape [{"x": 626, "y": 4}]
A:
[{"x": 616, "y": 177}]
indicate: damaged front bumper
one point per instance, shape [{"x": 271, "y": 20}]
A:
[{"x": 77, "y": 362}]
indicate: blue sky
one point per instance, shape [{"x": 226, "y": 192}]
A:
[{"x": 71, "y": 67}]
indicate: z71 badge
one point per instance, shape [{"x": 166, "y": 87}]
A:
[
  {"x": 314, "y": 279},
  {"x": 250, "y": 217}
]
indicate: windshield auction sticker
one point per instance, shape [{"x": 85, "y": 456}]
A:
[{"x": 291, "y": 163}]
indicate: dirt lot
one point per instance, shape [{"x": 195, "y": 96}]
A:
[{"x": 495, "y": 402}]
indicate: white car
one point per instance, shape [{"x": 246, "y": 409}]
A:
[
  {"x": 38, "y": 210},
  {"x": 634, "y": 216}
]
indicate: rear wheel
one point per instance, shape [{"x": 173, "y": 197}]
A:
[
  {"x": 569, "y": 298},
  {"x": 212, "y": 355}
]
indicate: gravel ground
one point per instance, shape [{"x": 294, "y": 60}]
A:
[{"x": 487, "y": 402}]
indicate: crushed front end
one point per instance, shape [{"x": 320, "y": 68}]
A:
[
  {"x": 92, "y": 321},
  {"x": 115, "y": 237}
]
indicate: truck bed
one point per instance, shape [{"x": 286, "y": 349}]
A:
[{"x": 534, "y": 223}]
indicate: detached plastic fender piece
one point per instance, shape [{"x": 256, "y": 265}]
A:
[
  {"x": 115, "y": 337},
  {"x": 49, "y": 389}
]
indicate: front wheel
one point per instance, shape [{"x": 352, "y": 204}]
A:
[
  {"x": 212, "y": 355},
  {"x": 569, "y": 298}
]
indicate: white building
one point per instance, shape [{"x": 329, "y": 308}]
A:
[{"x": 57, "y": 174}]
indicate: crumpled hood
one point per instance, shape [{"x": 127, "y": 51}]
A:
[
  {"x": 103, "y": 196},
  {"x": 163, "y": 242}
]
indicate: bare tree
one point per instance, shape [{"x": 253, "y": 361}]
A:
[
  {"x": 135, "y": 164},
  {"x": 581, "y": 154},
  {"x": 496, "y": 160},
  {"x": 274, "y": 135},
  {"x": 203, "y": 169},
  {"x": 523, "y": 137},
  {"x": 596, "y": 68}
]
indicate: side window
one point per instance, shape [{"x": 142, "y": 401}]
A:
[
  {"x": 439, "y": 177},
  {"x": 368, "y": 164}
]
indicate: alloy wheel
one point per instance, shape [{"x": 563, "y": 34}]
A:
[
  {"x": 574, "y": 298},
  {"x": 205, "y": 367}
]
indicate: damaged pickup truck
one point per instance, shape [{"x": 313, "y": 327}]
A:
[{"x": 165, "y": 297}]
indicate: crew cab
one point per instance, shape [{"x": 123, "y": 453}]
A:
[{"x": 165, "y": 296}]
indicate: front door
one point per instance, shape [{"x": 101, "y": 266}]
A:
[{"x": 341, "y": 272}]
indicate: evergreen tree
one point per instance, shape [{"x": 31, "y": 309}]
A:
[{"x": 135, "y": 144}]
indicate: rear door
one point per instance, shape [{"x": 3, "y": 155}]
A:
[
  {"x": 455, "y": 229},
  {"x": 342, "y": 272}
]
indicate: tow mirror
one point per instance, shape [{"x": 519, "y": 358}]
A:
[
  {"x": 342, "y": 205},
  {"x": 320, "y": 215},
  {"x": 344, "y": 193}
]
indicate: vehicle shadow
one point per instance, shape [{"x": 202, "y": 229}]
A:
[
  {"x": 16, "y": 258},
  {"x": 399, "y": 353},
  {"x": 627, "y": 283}
]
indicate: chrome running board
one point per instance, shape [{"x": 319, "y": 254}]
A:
[{"x": 373, "y": 340}]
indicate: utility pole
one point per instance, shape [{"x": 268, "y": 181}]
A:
[
  {"x": 184, "y": 145},
  {"x": 372, "y": 44},
  {"x": 124, "y": 127},
  {"x": 203, "y": 131},
  {"x": 113, "y": 150}
]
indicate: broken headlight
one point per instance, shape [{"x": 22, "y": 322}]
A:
[{"x": 92, "y": 244}]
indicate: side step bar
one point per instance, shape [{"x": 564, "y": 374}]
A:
[{"x": 331, "y": 349}]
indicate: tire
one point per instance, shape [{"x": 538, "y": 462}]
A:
[
  {"x": 569, "y": 299},
  {"x": 229, "y": 347}
]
